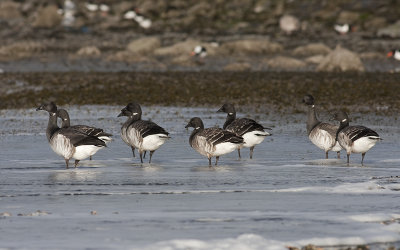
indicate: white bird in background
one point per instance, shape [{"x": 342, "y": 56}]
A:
[
  {"x": 343, "y": 28},
  {"x": 199, "y": 51},
  {"x": 395, "y": 53},
  {"x": 68, "y": 13},
  {"x": 143, "y": 22},
  {"x": 91, "y": 7},
  {"x": 104, "y": 7}
]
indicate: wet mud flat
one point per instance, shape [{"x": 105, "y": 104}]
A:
[
  {"x": 261, "y": 91},
  {"x": 288, "y": 195}
]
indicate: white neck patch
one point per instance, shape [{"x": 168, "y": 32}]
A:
[
  {"x": 52, "y": 114},
  {"x": 134, "y": 113},
  {"x": 313, "y": 106},
  {"x": 197, "y": 128},
  {"x": 344, "y": 120},
  {"x": 230, "y": 113}
]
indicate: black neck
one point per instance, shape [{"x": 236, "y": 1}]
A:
[
  {"x": 65, "y": 123},
  {"x": 51, "y": 126},
  {"x": 341, "y": 127},
  {"x": 193, "y": 134},
  {"x": 229, "y": 120},
  {"x": 312, "y": 120}
]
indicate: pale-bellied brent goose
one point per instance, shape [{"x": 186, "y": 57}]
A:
[
  {"x": 68, "y": 142},
  {"x": 88, "y": 130},
  {"x": 212, "y": 141},
  {"x": 322, "y": 135},
  {"x": 354, "y": 139},
  {"x": 140, "y": 134},
  {"x": 252, "y": 132}
]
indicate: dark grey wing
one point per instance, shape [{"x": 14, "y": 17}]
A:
[
  {"x": 217, "y": 135},
  {"x": 357, "y": 132},
  {"x": 146, "y": 128},
  {"x": 90, "y": 130},
  {"x": 244, "y": 125},
  {"x": 330, "y": 128},
  {"x": 78, "y": 138}
]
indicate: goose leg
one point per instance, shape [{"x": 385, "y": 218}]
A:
[
  {"x": 362, "y": 159},
  {"x": 151, "y": 154},
  {"x": 326, "y": 155},
  {"x": 209, "y": 162},
  {"x": 251, "y": 152},
  {"x": 141, "y": 155},
  {"x": 216, "y": 160},
  {"x": 239, "y": 153},
  {"x": 90, "y": 157},
  {"x": 133, "y": 151},
  {"x": 338, "y": 154},
  {"x": 76, "y": 162},
  {"x": 348, "y": 158},
  {"x": 144, "y": 154},
  {"x": 67, "y": 163}
]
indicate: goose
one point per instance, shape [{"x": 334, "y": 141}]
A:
[
  {"x": 140, "y": 134},
  {"x": 212, "y": 141},
  {"x": 395, "y": 53},
  {"x": 354, "y": 139},
  {"x": 322, "y": 135},
  {"x": 252, "y": 132},
  {"x": 88, "y": 130},
  {"x": 68, "y": 142}
]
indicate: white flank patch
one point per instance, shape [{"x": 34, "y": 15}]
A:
[
  {"x": 254, "y": 138},
  {"x": 363, "y": 144},
  {"x": 225, "y": 148},
  {"x": 153, "y": 142},
  {"x": 84, "y": 151}
]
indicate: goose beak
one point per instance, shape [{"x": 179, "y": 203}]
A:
[
  {"x": 220, "y": 110},
  {"x": 39, "y": 108},
  {"x": 120, "y": 114},
  {"x": 188, "y": 125}
]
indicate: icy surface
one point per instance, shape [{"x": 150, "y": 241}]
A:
[{"x": 286, "y": 196}]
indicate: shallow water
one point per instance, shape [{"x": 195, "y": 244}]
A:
[{"x": 286, "y": 196}]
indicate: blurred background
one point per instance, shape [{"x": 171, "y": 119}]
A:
[{"x": 193, "y": 35}]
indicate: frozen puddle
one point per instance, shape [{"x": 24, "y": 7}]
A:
[{"x": 286, "y": 196}]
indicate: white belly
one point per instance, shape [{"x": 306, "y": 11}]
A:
[
  {"x": 254, "y": 138},
  {"x": 153, "y": 142},
  {"x": 84, "y": 151},
  {"x": 324, "y": 140},
  {"x": 362, "y": 145},
  {"x": 62, "y": 146},
  {"x": 224, "y": 148}
]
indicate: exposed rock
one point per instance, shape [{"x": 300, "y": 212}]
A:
[
  {"x": 5, "y": 214},
  {"x": 251, "y": 46},
  {"x": 47, "y": 17},
  {"x": 312, "y": 49},
  {"x": 9, "y": 10},
  {"x": 392, "y": 31},
  {"x": 341, "y": 59},
  {"x": 19, "y": 50},
  {"x": 375, "y": 23},
  {"x": 240, "y": 66},
  {"x": 283, "y": 62},
  {"x": 348, "y": 17},
  {"x": 372, "y": 55},
  {"x": 145, "y": 45},
  {"x": 317, "y": 59},
  {"x": 289, "y": 24},
  {"x": 91, "y": 51},
  {"x": 127, "y": 56}
]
